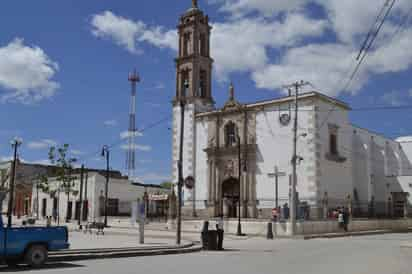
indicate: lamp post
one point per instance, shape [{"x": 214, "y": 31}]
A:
[
  {"x": 15, "y": 144},
  {"x": 239, "y": 224},
  {"x": 182, "y": 101},
  {"x": 106, "y": 153}
]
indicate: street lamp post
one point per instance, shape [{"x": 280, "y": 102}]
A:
[
  {"x": 15, "y": 144},
  {"x": 182, "y": 101},
  {"x": 239, "y": 224},
  {"x": 106, "y": 153}
]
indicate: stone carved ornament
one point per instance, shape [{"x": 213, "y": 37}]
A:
[{"x": 229, "y": 168}]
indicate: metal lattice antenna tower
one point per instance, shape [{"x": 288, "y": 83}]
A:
[{"x": 131, "y": 149}]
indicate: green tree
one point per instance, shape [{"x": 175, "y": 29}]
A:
[
  {"x": 167, "y": 185},
  {"x": 4, "y": 189},
  {"x": 63, "y": 172}
]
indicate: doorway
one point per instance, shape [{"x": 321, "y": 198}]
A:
[{"x": 230, "y": 194}]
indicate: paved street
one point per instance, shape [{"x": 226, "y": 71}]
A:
[{"x": 380, "y": 254}]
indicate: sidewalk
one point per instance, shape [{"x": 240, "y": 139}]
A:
[{"x": 79, "y": 240}]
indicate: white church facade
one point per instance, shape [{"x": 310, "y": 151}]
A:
[{"x": 339, "y": 163}]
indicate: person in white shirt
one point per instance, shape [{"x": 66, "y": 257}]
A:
[{"x": 220, "y": 232}]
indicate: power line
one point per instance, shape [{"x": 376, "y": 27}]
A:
[
  {"x": 365, "y": 50},
  {"x": 144, "y": 129},
  {"x": 369, "y": 35},
  {"x": 372, "y": 40}
]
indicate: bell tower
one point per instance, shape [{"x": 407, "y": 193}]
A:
[
  {"x": 193, "y": 94},
  {"x": 194, "y": 64}
]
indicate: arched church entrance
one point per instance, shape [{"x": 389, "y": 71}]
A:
[{"x": 230, "y": 193}]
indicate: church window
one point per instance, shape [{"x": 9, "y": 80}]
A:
[
  {"x": 333, "y": 152},
  {"x": 202, "y": 84},
  {"x": 333, "y": 144},
  {"x": 333, "y": 139},
  {"x": 186, "y": 44},
  {"x": 202, "y": 45},
  {"x": 230, "y": 134},
  {"x": 185, "y": 80}
]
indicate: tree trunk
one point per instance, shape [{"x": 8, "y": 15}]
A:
[{"x": 67, "y": 208}]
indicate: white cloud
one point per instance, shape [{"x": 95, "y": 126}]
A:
[
  {"x": 110, "y": 123},
  {"x": 276, "y": 42},
  {"x": 404, "y": 139},
  {"x": 39, "y": 162},
  {"x": 238, "y": 8},
  {"x": 42, "y": 144},
  {"x": 396, "y": 98},
  {"x": 311, "y": 63},
  {"x": 6, "y": 158},
  {"x": 127, "y": 134},
  {"x": 393, "y": 98},
  {"x": 137, "y": 147},
  {"x": 76, "y": 152},
  {"x": 128, "y": 33},
  {"x": 242, "y": 45},
  {"x": 26, "y": 73}
]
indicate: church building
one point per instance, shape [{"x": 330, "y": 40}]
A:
[{"x": 232, "y": 151}]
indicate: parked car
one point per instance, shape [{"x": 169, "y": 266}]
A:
[{"x": 30, "y": 245}]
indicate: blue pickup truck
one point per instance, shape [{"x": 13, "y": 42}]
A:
[{"x": 30, "y": 245}]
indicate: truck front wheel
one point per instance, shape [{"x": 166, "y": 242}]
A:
[{"x": 36, "y": 256}]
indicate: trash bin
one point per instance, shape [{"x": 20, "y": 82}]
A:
[{"x": 212, "y": 240}]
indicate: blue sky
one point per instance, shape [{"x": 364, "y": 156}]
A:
[{"x": 64, "y": 67}]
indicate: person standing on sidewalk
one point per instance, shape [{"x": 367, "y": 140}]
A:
[
  {"x": 345, "y": 219},
  {"x": 340, "y": 218},
  {"x": 220, "y": 232}
]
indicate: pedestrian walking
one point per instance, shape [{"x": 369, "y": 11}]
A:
[
  {"x": 220, "y": 232},
  {"x": 345, "y": 219}
]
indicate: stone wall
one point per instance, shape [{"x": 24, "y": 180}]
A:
[{"x": 259, "y": 228}]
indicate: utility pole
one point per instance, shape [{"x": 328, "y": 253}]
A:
[
  {"x": 15, "y": 144},
  {"x": 81, "y": 198},
  {"x": 86, "y": 201},
  {"x": 180, "y": 163},
  {"x": 292, "y": 215},
  {"x": 239, "y": 225},
  {"x": 106, "y": 153},
  {"x": 37, "y": 201},
  {"x": 276, "y": 175}
]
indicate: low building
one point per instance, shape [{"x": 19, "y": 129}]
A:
[
  {"x": 26, "y": 175},
  {"x": 65, "y": 204}
]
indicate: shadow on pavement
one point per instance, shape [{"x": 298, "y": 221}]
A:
[{"x": 24, "y": 268}]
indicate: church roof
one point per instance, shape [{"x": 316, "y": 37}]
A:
[{"x": 281, "y": 100}]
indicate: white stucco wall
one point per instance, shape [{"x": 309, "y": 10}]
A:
[
  {"x": 275, "y": 146},
  {"x": 120, "y": 189},
  {"x": 335, "y": 177},
  {"x": 201, "y": 167}
]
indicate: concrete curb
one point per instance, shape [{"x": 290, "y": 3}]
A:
[
  {"x": 353, "y": 234},
  {"x": 94, "y": 254}
]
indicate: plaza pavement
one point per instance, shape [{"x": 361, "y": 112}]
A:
[{"x": 377, "y": 254}]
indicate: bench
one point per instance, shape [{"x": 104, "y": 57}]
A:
[{"x": 99, "y": 226}]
